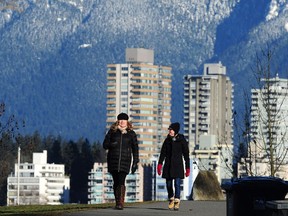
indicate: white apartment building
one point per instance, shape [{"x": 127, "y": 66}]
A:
[
  {"x": 269, "y": 119},
  {"x": 38, "y": 183},
  {"x": 101, "y": 185},
  {"x": 143, "y": 91},
  {"x": 208, "y": 119}
]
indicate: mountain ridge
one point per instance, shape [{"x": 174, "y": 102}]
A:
[{"x": 54, "y": 53}]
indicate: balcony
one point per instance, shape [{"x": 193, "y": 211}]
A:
[{"x": 203, "y": 105}]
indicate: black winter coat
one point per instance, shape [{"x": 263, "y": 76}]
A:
[
  {"x": 121, "y": 147},
  {"x": 172, "y": 153}
]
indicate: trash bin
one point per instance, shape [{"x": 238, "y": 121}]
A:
[{"x": 247, "y": 196}]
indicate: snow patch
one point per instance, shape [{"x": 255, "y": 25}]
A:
[
  {"x": 273, "y": 10},
  {"x": 276, "y": 7},
  {"x": 286, "y": 27},
  {"x": 72, "y": 3},
  {"x": 84, "y": 46},
  {"x": 61, "y": 19},
  {"x": 7, "y": 16}
]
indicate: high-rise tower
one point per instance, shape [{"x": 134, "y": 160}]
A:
[
  {"x": 143, "y": 91},
  {"x": 208, "y": 105}
]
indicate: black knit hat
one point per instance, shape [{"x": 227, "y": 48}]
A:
[
  {"x": 175, "y": 127},
  {"x": 122, "y": 116}
]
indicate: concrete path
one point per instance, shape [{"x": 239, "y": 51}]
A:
[{"x": 195, "y": 208}]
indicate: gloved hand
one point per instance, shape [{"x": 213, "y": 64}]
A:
[
  {"x": 187, "y": 173},
  {"x": 159, "y": 169},
  {"x": 134, "y": 168}
]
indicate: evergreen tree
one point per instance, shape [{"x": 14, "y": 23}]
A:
[
  {"x": 29, "y": 144},
  {"x": 47, "y": 144},
  {"x": 70, "y": 153},
  {"x": 56, "y": 152},
  {"x": 87, "y": 164},
  {"x": 71, "y": 160},
  {"x": 98, "y": 152}
]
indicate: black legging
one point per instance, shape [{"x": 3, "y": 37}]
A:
[{"x": 118, "y": 178}]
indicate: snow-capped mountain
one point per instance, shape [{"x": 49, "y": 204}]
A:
[{"x": 53, "y": 54}]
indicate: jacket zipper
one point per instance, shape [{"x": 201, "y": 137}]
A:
[{"x": 120, "y": 155}]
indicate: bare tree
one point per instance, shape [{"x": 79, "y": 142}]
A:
[
  {"x": 243, "y": 155},
  {"x": 267, "y": 136},
  {"x": 9, "y": 131}
]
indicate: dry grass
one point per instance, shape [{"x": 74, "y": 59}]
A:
[{"x": 48, "y": 210}]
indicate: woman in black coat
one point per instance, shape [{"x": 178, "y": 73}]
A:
[
  {"x": 121, "y": 143},
  {"x": 174, "y": 149}
]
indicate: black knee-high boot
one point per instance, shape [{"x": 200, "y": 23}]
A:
[{"x": 116, "y": 197}]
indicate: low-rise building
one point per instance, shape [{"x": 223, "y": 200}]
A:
[{"x": 38, "y": 183}]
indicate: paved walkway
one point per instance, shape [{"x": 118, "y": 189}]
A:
[{"x": 195, "y": 208}]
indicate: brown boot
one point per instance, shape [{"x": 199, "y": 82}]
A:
[
  {"x": 120, "y": 191},
  {"x": 122, "y": 195}
]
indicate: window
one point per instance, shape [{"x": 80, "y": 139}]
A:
[{"x": 111, "y": 75}]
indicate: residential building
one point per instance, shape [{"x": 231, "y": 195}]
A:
[
  {"x": 208, "y": 119},
  {"x": 38, "y": 183},
  {"x": 101, "y": 185},
  {"x": 269, "y": 117},
  {"x": 143, "y": 91}
]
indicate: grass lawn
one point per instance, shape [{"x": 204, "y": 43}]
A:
[{"x": 48, "y": 210}]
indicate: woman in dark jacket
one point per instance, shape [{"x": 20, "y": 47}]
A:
[
  {"x": 121, "y": 143},
  {"x": 174, "y": 149}
]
